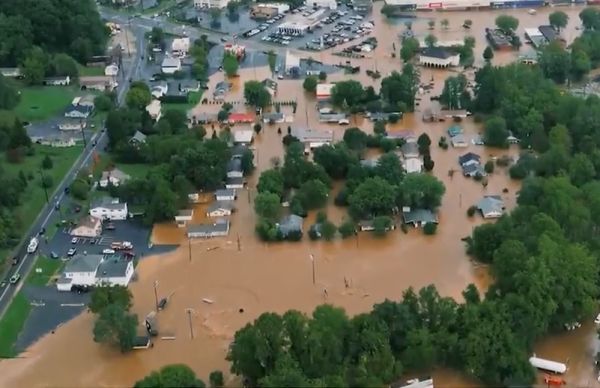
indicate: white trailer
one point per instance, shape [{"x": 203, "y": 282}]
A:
[{"x": 547, "y": 365}]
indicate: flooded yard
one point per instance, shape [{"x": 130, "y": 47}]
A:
[{"x": 244, "y": 277}]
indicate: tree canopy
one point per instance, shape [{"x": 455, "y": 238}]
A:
[
  {"x": 256, "y": 94},
  {"x": 172, "y": 376}
]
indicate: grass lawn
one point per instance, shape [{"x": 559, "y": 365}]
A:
[
  {"x": 42, "y": 103},
  {"x": 135, "y": 170},
  {"x": 34, "y": 198},
  {"x": 97, "y": 120},
  {"x": 193, "y": 100},
  {"x": 12, "y": 324},
  {"x": 85, "y": 71},
  {"x": 49, "y": 267}
]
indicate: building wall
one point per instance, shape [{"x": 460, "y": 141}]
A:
[
  {"x": 438, "y": 62},
  {"x": 82, "y": 278},
  {"x": 104, "y": 213}
]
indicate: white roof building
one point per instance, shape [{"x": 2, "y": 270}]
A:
[
  {"x": 243, "y": 136},
  {"x": 324, "y": 91},
  {"x": 331, "y": 4},
  {"x": 111, "y": 70},
  {"x": 170, "y": 65},
  {"x": 180, "y": 46},
  {"x": 413, "y": 165},
  {"x": 154, "y": 110}
]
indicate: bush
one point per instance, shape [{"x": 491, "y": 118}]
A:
[
  {"x": 489, "y": 167},
  {"x": 313, "y": 235},
  {"x": 328, "y": 230},
  {"x": 103, "y": 103},
  {"x": 322, "y": 76},
  {"x": 294, "y": 236},
  {"x": 346, "y": 229},
  {"x": 257, "y": 128},
  {"x": 517, "y": 172},
  {"x": 321, "y": 216},
  {"x": 341, "y": 199},
  {"x": 503, "y": 161},
  {"x": 215, "y": 379},
  {"x": 47, "y": 163},
  {"x": 471, "y": 211},
  {"x": 428, "y": 163},
  {"x": 430, "y": 228},
  {"x": 478, "y": 177},
  {"x": 46, "y": 181},
  {"x": 80, "y": 189}
]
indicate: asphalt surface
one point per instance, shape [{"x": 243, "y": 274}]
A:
[{"x": 98, "y": 142}]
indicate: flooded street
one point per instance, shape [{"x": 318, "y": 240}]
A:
[{"x": 245, "y": 277}]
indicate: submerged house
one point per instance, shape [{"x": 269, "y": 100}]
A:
[
  {"x": 418, "y": 217},
  {"x": 491, "y": 206},
  {"x": 290, "y": 226}
]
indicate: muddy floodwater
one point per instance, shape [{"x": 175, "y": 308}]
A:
[{"x": 244, "y": 277}]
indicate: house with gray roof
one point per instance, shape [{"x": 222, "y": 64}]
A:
[
  {"x": 80, "y": 271},
  {"x": 418, "y": 217},
  {"x": 114, "y": 271},
  {"x": 410, "y": 150},
  {"x": 219, "y": 228},
  {"x": 290, "y": 224},
  {"x": 491, "y": 206},
  {"x": 273, "y": 118},
  {"x": 234, "y": 168},
  {"x": 220, "y": 209},
  {"x": 234, "y": 183},
  {"x": 138, "y": 139},
  {"x": 225, "y": 195}
]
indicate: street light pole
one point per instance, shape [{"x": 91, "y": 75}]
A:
[
  {"x": 312, "y": 260},
  {"x": 44, "y": 185},
  {"x": 190, "y": 248},
  {"x": 156, "y": 293},
  {"x": 189, "y": 313}
]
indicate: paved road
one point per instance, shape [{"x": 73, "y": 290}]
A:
[{"x": 26, "y": 260}]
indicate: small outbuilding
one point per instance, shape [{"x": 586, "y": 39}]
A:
[
  {"x": 218, "y": 229},
  {"x": 183, "y": 217},
  {"x": 220, "y": 209},
  {"x": 491, "y": 206},
  {"x": 225, "y": 195}
]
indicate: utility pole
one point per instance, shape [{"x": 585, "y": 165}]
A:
[
  {"x": 156, "y": 293},
  {"x": 190, "y": 248},
  {"x": 189, "y": 313},
  {"x": 82, "y": 133},
  {"x": 44, "y": 185},
  {"x": 239, "y": 244},
  {"x": 312, "y": 260}
]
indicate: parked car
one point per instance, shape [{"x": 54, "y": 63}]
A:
[
  {"x": 110, "y": 226},
  {"x": 597, "y": 320},
  {"x": 71, "y": 252},
  {"x": 42, "y": 231},
  {"x": 3, "y": 284},
  {"x": 15, "y": 278},
  {"x": 53, "y": 255},
  {"x": 108, "y": 251},
  {"x": 15, "y": 260},
  {"x": 74, "y": 240}
]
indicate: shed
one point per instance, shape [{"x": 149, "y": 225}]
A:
[{"x": 183, "y": 217}]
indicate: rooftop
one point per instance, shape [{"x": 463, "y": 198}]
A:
[
  {"x": 115, "y": 173},
  {"x": 243, "y": 136},
  {"x": 108, "y": 203},
  {"x": 227, "y": 205},
  {"x": 290, "y": 223},
  {"x": 112, "y": 268},
  {"x": 89, "y": 222},
  {"x": 219, "y": 226},
  {"x": 418, "y": 216},
  {"x": 324, "y": 90},
  {"x": 225, "y": 192},
  {"x": 171, "y": 62},
  {"x": 234, "y": 164},
  {"x": 491, "y": 206},
  {"x": 311, "y": 135},
  {"x": 436, "y": 52},
  {"x": 83, "y": 263}
]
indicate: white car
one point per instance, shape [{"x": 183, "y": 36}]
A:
[
  {"x": 597, "y": 320},
  {"x": 74, "y": 240},
  {"x": 344, "y": 122},
  {"x": 108, "y": 251}
]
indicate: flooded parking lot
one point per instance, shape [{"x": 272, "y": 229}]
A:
[{"x": 244, "y": 277}]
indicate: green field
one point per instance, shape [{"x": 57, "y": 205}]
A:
[
  {"x": 49, "y": 267},
  {"x": 34, "y": 198},
  {"x": 85, "y": 71},
  {"x": 12, "y": 324},
  {"x": 42, "y": 103},
  {"x": 193, "y": 100}
]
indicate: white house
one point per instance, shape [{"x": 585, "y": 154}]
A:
[
  {"x": 170, "y": 65},
  {"x": 154, "y": 110},
  {"x": 243, "y": 136},
  {"x": 114, "y": 272},
  {"x": 87, "y": 100},
  {"x": 58, "y": 81},
  {"x": 211, "y": 3},
  {"x": 413, "y": 165},
  {"x": 79, "y": 271},
  {"x": 225, "y": 195},
  {"x": 324, "y": 91},
  {"x": 180, "y": 46},
  {"x": 72, "y": 124},
  {"x": 78, "y": 111},
  {"x": 438, "y": 57},
  {"x": 95, "y": 270},
  {"x": 97, "y": 82},
  {"x": 183, "y": 217},
  {"x": 111, "y": 70},
  {"x": 220, "y": 209},
  {"x": 88, "y": 226},
  {"x": 219, "y": 228},
  {"x": 107, "y": 208},
  {"x": 491, "y": 206},
  {"x": 114, "y": 177},
  {"x": 159, "y": 90}
]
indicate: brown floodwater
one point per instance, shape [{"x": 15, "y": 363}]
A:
[{"x": 240, "y": 272}]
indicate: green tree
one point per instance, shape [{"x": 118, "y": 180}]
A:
[
  {"x": 328, "y": 230},
  {"x": 430, "y": 40},
  {"x": 80, "y": 189},
  {"x": 272, "y": 59},
  {"x": 495, "y": 134},
  {"x": 256, "y": 94},
  {"x": 590, "y": 18},
  {"x": 445, "y": 23},
  {"x": 381, "y": 225},
  {"x": 271, "y": 181},
  {"x": 138, "y": 96},
  {"x": 102, "y": 297},
  {"x": 373, "y": 197},
  {"x": 390, "y": 168},
  {"x": 103, "y": 103},
  {"x": 467, "y": 23},
  {"x": 355, "y": 139},
  {"x": 34, "y": 66},
  {"x": 64, "y": 65},
  {"x": 313, "y": 194},
  {"x": 507, "y": 24},
  {"x": 336, "y": 159},
  {"x": 424, "y": 143},
  {"x": 322, "y": 76},
  {"x": 347, "y": 93},
  {"x": 399, "y": 89},
  {"x": 581, "y": 64},
  {"x": 555, "y": 62},
  {"x": 581, "y": 169},
  {"x": 410, "y": 48},
  {"x": 489, "y": 167},
  {"x": 488, "y": 54},
  {"x": 267, "y": 205},
  {"x": 157, "y": 36},
  {"x": 175, "y": 375},
  {"x": 115, "y": 326},
  {"x": 558, "y": 19},
  {"x": 347, "y": 229},
  {"x": 431, "y": 24},
  {"x": 216, "y": 379},
  {"x": 9, "y": 96},
  {"x": 421, "y": 191},
  {"x": 379, "y": 128},
  {"x": 230, "y": 65},
  {"x": 47, "y": 163},
  {"x": 430, "y": 228},
  {"x": 310, "y": 83}
]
